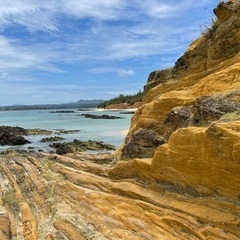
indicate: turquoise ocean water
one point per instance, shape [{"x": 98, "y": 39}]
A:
[{"x": 106, "y": 130}]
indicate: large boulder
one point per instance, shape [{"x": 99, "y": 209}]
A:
[{"x": 12, "y": 136}]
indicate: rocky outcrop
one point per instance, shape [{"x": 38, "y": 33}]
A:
[
  {"x": 55, "y": 197},
  {"x": 204, "y": 80},
  {"x": 64, "y": 131},
  {"x": 208, "y": 109},
  {"x": 104, "y": 116},
  {"x": 52, "y": 139},
  {"x": 206, "y": 160},
  {"x": 12, "y": 136},
  {"x": 142, "y": 144},
  {"x": 79, "y": 146}
]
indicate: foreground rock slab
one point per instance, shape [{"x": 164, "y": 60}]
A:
[{"x": 81, "y": 196}]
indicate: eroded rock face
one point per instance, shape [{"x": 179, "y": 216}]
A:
[
  {"x": 206, "y": 159},
  {"x": 177, "y": 118},
  {"x": 77, "y": 145},
  {"x": 56, "y": 197},
  {"x": 210, "y": 66},
  {"x": 208, "y": 109},
  {"x": 142, "y": 144},
  {"x": 157, "y": 77}
]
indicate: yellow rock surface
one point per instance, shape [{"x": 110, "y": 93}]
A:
[
  {"x": 85, "y": 205},
  {"x": 205, "y": 159}
]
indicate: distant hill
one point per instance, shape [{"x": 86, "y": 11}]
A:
[{"x": 78, "y": 104}]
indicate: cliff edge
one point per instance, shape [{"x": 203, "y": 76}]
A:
[{"x": 201, "y": 88}]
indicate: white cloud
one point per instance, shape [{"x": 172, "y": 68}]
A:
[
  {"x": 119, "y": 71},
  {"x": 126, "y": 73},
  {"x": 49, "y": 38}
]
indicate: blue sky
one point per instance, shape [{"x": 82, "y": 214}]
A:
[{"x": 56, "y": 51}]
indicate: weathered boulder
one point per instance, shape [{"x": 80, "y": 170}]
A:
[
  {"x": 79, "y": 146},
  {"x": 176, "y": 118},
  {"x": 52, "y": 139},
  {"x": 208, "y": 109},
  {"x": 12, "y": 136},
  {"x": 142, "y": 144}
]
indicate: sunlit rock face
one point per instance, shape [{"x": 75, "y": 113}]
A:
[{"x": 205, "y": 80}]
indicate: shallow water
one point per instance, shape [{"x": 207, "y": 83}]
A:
[{"x": 107, "y": 130}]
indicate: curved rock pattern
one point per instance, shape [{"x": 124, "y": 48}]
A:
[{"x": 56, "y": 197}]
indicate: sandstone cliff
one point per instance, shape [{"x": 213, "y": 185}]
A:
[
  {"x": 203, "y": 86},
  {"x": 179, "y": 176}
]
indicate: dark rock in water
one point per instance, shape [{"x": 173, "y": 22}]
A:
[
  {"x": 142, "y": 144},
  {"x": 92, "y": 116},
  {"x": 52, "y": 139},
  {"x": 37, "y": 131},
  {"x": 62, "y": 131},
  {"x": 40, "y": 150},
  {"x": 62, "y": 112},
  {"x": 83, "y": 109},
  {"x": 128, "y": 112},
  {"x": 12, "y": 136},
  {"x": 31, "y": 147},
  {"x": 77, "y": 145}
]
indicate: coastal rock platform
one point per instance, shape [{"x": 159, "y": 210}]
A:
[{"x": 84, "y": 196}]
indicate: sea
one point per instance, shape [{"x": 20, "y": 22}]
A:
[{"x": 112, "y": 131}]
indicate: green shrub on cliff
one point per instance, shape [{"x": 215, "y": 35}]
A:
[{"x": 130, "y": 99}]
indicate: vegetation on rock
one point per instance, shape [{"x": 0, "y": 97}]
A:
[{"x": 129, "y": 99}]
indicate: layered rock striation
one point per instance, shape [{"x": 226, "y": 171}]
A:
[{"x": 81, "y": 196}]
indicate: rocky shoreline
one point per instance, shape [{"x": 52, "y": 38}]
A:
[{"x": 15, "y": 136}]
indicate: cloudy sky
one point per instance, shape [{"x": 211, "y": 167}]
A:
[{"x": 56, "y": 51}]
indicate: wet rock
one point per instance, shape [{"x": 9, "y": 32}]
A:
[
  {"x": 128, "y": 112},
  {"x": 142, "y": 144},
  {"x": 62, "y": 131},
  {"x": 52, "y": 139},
  {"x": 77, "y": 145},
  {"x": 62, "y": 112},
  {"x": 92, "y": 116},
  {"x": 37, "y": 131},
  {"x": 12, "y": 136}
]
